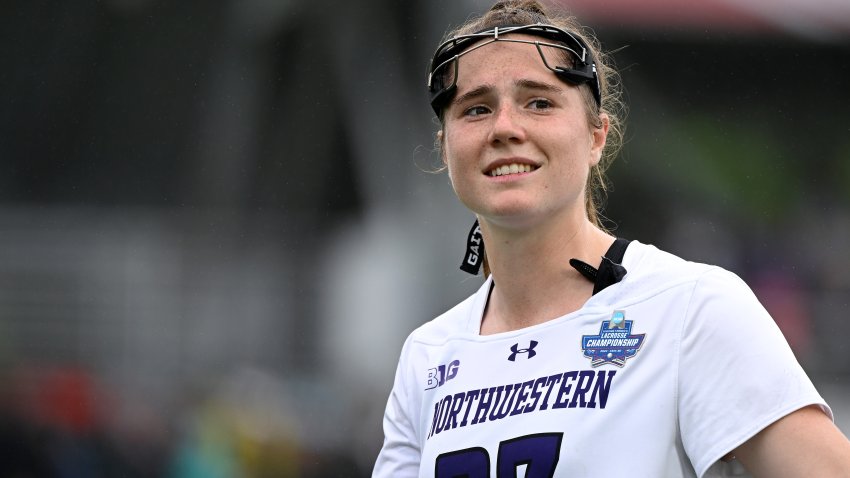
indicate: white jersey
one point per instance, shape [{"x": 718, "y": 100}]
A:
[{"x": 659, "y": 375}]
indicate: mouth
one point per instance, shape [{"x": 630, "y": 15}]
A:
[{"x": 511, "y": 168}]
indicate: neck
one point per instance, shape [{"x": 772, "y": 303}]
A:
[{"x": 533, "y": 280}]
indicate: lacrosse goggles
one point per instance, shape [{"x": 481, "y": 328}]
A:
[{"x": 442, "y": 76}]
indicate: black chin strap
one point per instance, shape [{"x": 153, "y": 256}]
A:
[{"x": 610, "y": 271}]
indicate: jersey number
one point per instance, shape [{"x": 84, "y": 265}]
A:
[{"x": 539, "y": 453}]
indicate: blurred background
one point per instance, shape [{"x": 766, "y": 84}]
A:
[{"x": 219, "y": 219}]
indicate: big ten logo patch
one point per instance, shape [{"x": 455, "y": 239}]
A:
[{"x": 441, "y": 374}]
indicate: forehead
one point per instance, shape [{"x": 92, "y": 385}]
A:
[{"x": 509, "y": 58}]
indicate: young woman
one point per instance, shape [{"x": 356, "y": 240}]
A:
[{"x": 582, "y": 354}]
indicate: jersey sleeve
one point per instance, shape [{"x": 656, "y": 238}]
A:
[
  {"x": 400, "y": 453},
  {"x": 736, "y": 374}
]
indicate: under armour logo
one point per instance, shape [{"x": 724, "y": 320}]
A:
[{"x": 516, "y": 350}]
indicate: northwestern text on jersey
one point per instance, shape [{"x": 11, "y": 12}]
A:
[{"x": 573, "y": 389}]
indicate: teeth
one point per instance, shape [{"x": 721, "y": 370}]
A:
[{"x": 511, "y": 169}]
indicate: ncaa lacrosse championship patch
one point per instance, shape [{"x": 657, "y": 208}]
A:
[{"x": 615, "y": 342}]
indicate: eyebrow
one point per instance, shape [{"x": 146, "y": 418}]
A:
[
  {"x": 474, "y": 93},
  {"x": 522, "y": 84},
  {"x": 536, "y": 85}
]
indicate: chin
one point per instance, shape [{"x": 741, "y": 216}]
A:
[{"x": 514, "y": 218}]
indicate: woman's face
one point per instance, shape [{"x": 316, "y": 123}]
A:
[{"x": 516, "y": 139}]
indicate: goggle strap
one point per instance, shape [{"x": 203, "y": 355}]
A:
[{"x": 474, "y": 256}]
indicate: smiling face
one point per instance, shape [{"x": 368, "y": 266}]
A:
[{"x": 516, "y": 139}]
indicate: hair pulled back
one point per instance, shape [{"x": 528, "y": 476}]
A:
[{"x": 527, "y": 12}]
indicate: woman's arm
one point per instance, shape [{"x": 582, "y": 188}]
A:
[{"x": 803, "y": 443}]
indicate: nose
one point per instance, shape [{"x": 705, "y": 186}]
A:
[{"x": 507, "y": 126}]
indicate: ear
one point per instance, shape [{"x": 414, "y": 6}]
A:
[
  {"x": 598, "y": 137},
  {"x": 442, "y": 148}
]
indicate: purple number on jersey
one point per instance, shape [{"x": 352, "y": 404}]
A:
[
  {"x": 539, "y": 453},
  {"x": 468, "y": 463}
]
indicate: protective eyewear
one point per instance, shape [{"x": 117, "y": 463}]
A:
[{"x": 443, "y": 74}]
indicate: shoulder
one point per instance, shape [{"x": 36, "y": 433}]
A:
[
  {"x": 460, "y": 320},
  {"x": 648, "y": 261},
  {"x": 653, "y": 275},
  {"x": 651, "y": 271}
]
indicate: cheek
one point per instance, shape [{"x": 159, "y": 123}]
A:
[
  {"x": 458, "y": 169},
  {"x": 456, "y": 175},
  {"x": 455, "y": 154}
]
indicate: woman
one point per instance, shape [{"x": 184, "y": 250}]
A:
[{"x": 582, "y": 354}]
